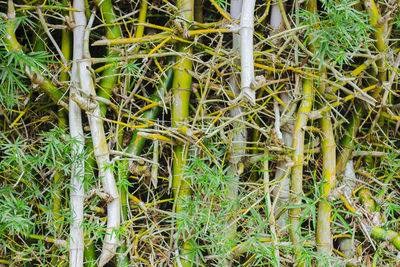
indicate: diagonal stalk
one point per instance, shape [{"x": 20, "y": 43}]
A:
[{"x": 35, "y": 76}]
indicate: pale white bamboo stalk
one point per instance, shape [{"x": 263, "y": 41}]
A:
[
  {"x": 77, "y": 194},
  {"x": 239, "y": 136},
  {"x": 246, "y": 50},
  {"x": 346, "y": 245},
  {"x": 276, "y": 21},
  {"x": 240, "y": 132},
  {"x": 282, "y": 193},
  {"x": 102, "y": 155}
]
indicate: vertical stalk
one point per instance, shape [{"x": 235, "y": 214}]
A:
[
  {"x": 296, "y": 186},
  {"x": 246, "y": 50},
  {"x": 62, "y": 124},
  {"x": 324, "y": 236},
  {"x": 239, "y": 135},
  {"x": 106, "y": 85},
  {"x": 375, "y": 21},
  {"x": 282, "y": 193},
  {"x": 113, "y": 31},
  {"x": 181, "y": 88},
  {"x": 77, "y": 194},
  {"x": 102, "y": 155},
  {"x": 36, "y": 78},
  {"x": 240, "y": 131},
  {"x": 296, "y": 182}
]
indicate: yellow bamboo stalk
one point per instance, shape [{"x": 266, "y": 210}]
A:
[
  {"x": 296, "y": 186},
  {"x": 181, "y": 88}
]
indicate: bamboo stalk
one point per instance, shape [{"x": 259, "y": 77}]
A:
[
  {"x": 110, "y": 75},
  {"x": 281, "y": 193},
  {"x": 181, "y": 88},
  {"x": 240, "y": 131},
  {"x": 77, "y": 194},
  {"x": 106, "y": 86},
  {"x": 375, "y": 21},
  {"x": 37, "y": 78},
  {"x": 62, "y": 124},
  {"x": 246, "y": 51},
  {"x": 296, "y": 186},
  {"x": 102, "y": 155},
  {"x": 348, "y": 140},
  {"x": 385, "y": 235},
  {"x": 367, "y": 200},
  {"x": 324, "y": 235}
]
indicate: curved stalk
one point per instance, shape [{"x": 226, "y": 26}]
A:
[
  {"x": 35, "y": 76},
  {"x": 246, "y": 50},
  {"x": 77, "y": 194},
  {"x": 137, "y": 142}
]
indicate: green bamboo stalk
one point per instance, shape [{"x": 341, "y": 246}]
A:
[
  {"x": 367, "y": 199},
  {"x": 136, "y": 145},
  {"x": 113, "y": 31},
  {"x": 374, "y": 20},
  {"x": 89, "y": 252},
  {"x": 296, "y": 185},
  {"x": 324, "y": 236},
  {"x": 328, "y": 147},
  {"x": 181, "y": 86},
  {"x": 347, "y": 142},
  {"x": 12, "y": 44},
  {"x": 386, "y": 235},
  {"x": 137, "y": 142},
  {"x": 62, "y": 124}
]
